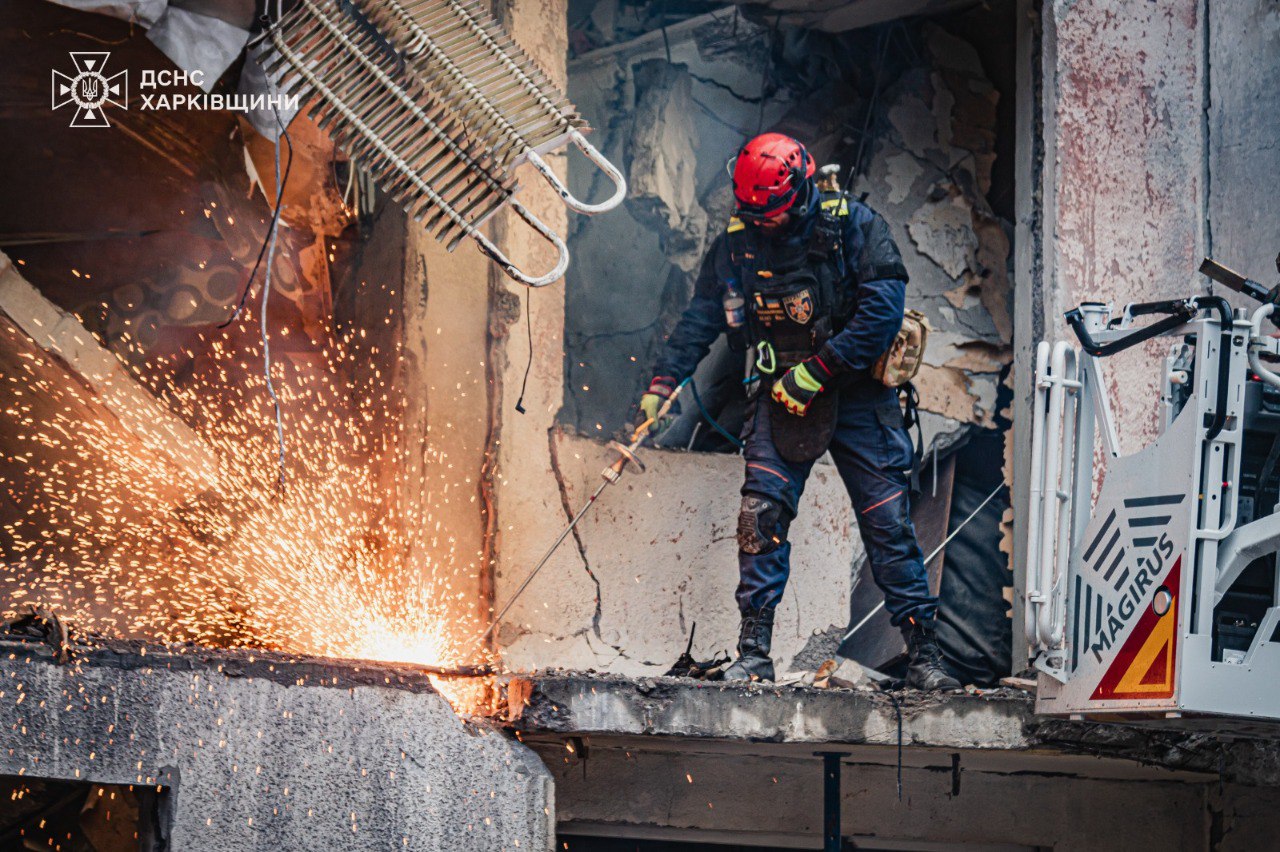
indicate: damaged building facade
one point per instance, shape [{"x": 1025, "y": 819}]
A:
[{"x": 441, "y": 424}]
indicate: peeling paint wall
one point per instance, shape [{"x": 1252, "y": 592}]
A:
[
  {"x": 1125, "y": 83},
  {"x": 930, "y": 149},
  {"x": 1159, "y": 132},
  {"x": 671, "y": 126}
]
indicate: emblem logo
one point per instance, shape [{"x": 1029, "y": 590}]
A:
[
  {"x": 90, "y": 89},
  {"x": 799, "y": 307}
]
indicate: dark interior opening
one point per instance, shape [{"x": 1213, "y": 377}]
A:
[{"x": 79, "y": 816}]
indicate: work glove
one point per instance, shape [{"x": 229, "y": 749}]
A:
[
  {"x": 800, "y": 385},
  {"x": 659, "y": 390}
]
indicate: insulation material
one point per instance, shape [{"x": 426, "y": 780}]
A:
[
  {"x": 144, "y": 12},
  {"x": 973, "y": 615},
  {"x": 198, "y": 42}
]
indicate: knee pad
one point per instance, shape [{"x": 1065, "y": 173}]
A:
[{"x": 762, "y": 528}]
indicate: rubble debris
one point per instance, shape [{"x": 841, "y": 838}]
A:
[
  {"x": 686, "y": 666},
  {"x": 1023, "y": 683},
  {"x": 822, "y": 677},
  {"x": 43, "y": 625},
  {"x": 581, "y": 703}
]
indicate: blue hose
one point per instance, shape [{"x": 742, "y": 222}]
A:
[{"x": 707, "y": 416}]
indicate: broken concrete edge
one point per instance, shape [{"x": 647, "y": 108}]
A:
[
  {"x": 61, "y": 335},
  {"x": 1249, "y": 761},
  {"x": 254, "y": 751},
  {"x": 577, "y": 704},
  {"x": 663, "y": 706},
  {"x": 275, "y": 666}
]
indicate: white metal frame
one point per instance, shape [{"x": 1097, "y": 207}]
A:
[{"x": 1066, "y": 594}]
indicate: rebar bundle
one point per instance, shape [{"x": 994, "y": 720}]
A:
[{"x": 439, "y": 104}]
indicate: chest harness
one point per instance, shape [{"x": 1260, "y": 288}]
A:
[{"x": 788, "y": 299}]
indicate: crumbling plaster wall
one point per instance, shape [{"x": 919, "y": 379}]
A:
[
  {"x": 445, "y": 318},
  {"x": 274, "y": 753},
  {"x": 658, "y": 554},
  {"x": 483, "y": 469},
  {"x": 929, "y": 177},
  {"x": 929, "y": 148},
  {"x": 614, "y": 594},
  {"x": 672, "y": 127},
  {"x": 658, "y": 551}
]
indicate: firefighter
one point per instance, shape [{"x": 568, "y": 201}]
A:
[{"x": 812, "y": 282}]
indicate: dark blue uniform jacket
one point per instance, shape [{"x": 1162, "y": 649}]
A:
[{"x": 871, "y": 264}]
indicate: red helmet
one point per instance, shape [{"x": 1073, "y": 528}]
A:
[{"x": 768, "y": 175}]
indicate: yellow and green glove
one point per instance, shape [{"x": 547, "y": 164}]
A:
[
  {"x": 800, "y": 385},
  {"x": 659, "y": 389}
]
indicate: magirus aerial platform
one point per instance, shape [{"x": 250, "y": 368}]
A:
[{"x": 1159, "y": 600}]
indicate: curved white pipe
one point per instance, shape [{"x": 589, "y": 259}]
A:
[
  {"x": 1036, "y": 509},
  {"x": 495, "y": 254},
  {"x": 1053, "y": 612},
  {"x": 611, "y": 172},
  {"x": 1255, "y": 362},
  {"x": 1052, "y": 523}
]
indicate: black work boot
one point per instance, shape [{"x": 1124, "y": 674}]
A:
[
  {"x": 925, "y": 667},
  {"x": 754, "y": 640}
]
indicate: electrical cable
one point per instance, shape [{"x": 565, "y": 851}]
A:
[
  {"x": 662, "y": 22},
  {"x": 271, "y": 227},
  {"x": 280, "y": 185},
  {"x": 266, "y": 294},
  {"x": 269, "y": 251},
  {"x": 528, "y": 322},
  {"x": 856, "y": 171}
]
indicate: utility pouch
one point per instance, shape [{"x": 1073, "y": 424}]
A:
[
  {"x": 803, "y": 439},
  {"x": 900, "y": 363}
]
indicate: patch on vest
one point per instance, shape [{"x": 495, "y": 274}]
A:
[{"x": 799, "y": 307}]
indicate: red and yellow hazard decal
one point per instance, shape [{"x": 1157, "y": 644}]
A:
[{"x": 1144, "y": 666}]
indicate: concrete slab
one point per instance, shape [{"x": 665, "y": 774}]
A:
[
  {"x": 675, "y": 760},
  {"x": 677, "y": 707},
  {"x": 997, "y": 730},
  {"x": 265, "y": 751}
]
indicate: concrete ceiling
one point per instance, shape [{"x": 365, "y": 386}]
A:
[{"x": 836, "y": 16}]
